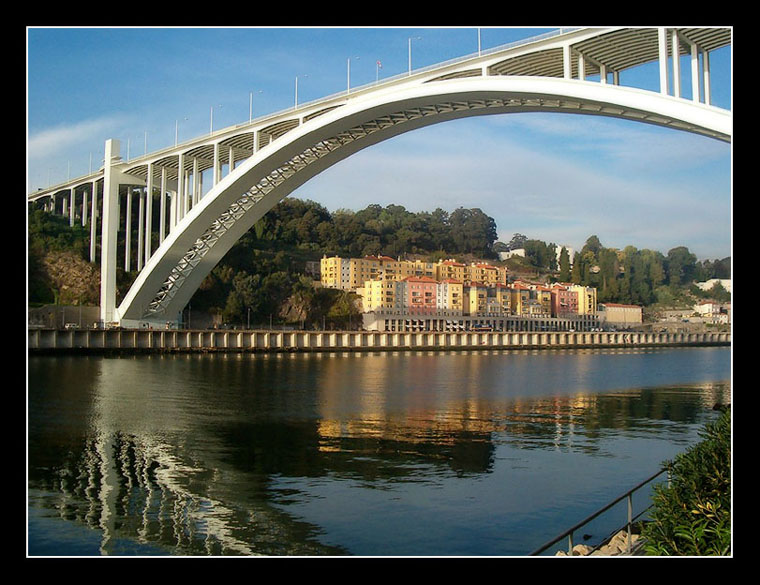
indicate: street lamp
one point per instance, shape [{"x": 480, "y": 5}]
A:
[
  {"x": 250, "y": 105},
  {"x": 410, "y": 51}
]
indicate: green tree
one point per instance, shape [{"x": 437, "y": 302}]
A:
[
  {"x": 592, "y": 245},
  {"x": 517, "y": 242},
  {"x": 564, "y": 265},
  {"x": 344, "y": 313},
  {"x": 472, "y": 231},
  {"x": 681, "y": 266}
]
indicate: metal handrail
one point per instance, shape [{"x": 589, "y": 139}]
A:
[{"x": 627, "y": 495}]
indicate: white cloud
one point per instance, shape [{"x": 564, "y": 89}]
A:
[
  {"x": 51, "y": 141},
  {"x": 623, "y": 186}
]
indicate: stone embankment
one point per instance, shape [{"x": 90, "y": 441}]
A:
[
  {"x": 151, "y": 340},
  {"x": 615, "y": 546}
]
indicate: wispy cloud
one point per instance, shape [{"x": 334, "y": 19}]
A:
[{"x": 52, "y": 141}]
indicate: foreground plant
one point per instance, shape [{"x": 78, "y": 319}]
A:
[{"x": 693, "y": 515}]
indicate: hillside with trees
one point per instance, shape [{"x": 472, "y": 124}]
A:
[{"x": 264, "y": 277}]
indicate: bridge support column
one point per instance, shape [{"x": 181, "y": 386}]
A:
[
  {"x": 676, "y": 64},
  {"x": 128, "y": 231},
  {"x": 179, "y": 203},
  {"x": 696, "y": 86},
  {"x": 196, "y": 183},
  {"x": 72, "y": 198},
  {"x": 706, "y": 75},
  {"x": 162, "y": 208},
  {"x": 215, "y": 178},
  {"x": 662, "y": 44},
  {"x": 93, "y": 220},
  {"x": 109, "y": 232},
  {"x": 148, "y": 213},
  {"x": 140, "y": 230}
]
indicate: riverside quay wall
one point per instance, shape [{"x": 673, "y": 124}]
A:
[{"x": 157, "y": 341}]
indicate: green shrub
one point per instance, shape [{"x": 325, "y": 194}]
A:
[{"x": 693, "y": 516}]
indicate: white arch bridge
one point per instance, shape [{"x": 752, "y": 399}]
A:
[{"x": 575, "y": 71}]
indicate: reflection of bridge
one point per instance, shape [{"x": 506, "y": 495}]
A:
[{"x": 267, "y": 158}]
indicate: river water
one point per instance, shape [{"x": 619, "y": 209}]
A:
[{"x": 462, "y": 453}]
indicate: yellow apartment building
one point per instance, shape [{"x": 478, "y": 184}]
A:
[
  {"x": 352, "y": 273},
  {"x": 587, "y": 299},
  {"x": 477, "y": 299},
  {"x": 450, "y": 270},
  {"x": 519, "y": 296},
  {"x": 499, "y": 301},
  {"x": 378, "y": 294},
  {"x": 544, "y": 296},
  {"x": 486, "y": 273},
  {"x": 335, "y": 272}
]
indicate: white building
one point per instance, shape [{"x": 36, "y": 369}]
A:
[
  {"x": 708, "y": 284},
  {"x": 518, "y": 252}
]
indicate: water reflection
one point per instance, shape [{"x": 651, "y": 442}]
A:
[{"x": 190, "y": 453}]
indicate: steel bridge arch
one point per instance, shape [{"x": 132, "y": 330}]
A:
[{"x": 230, "y": 208}]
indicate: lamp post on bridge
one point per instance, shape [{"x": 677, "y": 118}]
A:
[{"x": 250, "y": 105}]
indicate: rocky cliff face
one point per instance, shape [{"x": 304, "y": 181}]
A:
[{"x": 76, "y": 281}]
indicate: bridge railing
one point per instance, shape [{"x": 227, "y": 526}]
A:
[{"x": 440, "y": 65}]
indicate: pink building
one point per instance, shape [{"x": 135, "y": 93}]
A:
[
  {"x": 418, "y": 294},
  {"x": 564, "y": 300}
]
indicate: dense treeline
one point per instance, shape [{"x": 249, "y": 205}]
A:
[
  {"x": 631, "y": 275},
  {"x": 392, "y": 230},
  {"x": 263, "y": 278}
]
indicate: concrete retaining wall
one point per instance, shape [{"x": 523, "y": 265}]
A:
[{"x": 148, "y": 340}]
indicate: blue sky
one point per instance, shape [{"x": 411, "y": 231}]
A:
[{"x": 555, "y": 177}]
